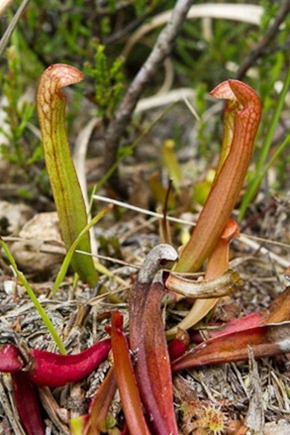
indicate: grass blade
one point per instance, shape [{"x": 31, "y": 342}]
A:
[
  {"x": 41, "y": 311},
  {"x": 75, "y": 244}
]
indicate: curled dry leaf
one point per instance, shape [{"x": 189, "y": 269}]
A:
[
  {"x": 217, "y": 287},
  {"x": 279, "y": 310},
  {"x": 216, "y": 271}
]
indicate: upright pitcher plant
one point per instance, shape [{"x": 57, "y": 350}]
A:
[
  {"x": 69, "y": 202},
  {"x": 241, "y": 121}
]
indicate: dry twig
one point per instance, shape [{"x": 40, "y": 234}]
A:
[
  {"x": 5, "y": 38},
  {"x": 123, "y": 116},
  {"x": 259, "y": 50}
]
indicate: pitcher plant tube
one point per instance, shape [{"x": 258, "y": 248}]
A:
[
  {"x": 241, "y": 121},
  {"x": 147, "y": 339},
  {"x": 69, "y": 201}
]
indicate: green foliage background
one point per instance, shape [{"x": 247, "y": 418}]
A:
[{"x": 91, "y": 35}]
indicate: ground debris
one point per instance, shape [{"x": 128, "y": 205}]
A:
[
  {"x": 225, "y": 393},
  {"x": 255, "y": 418}
]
